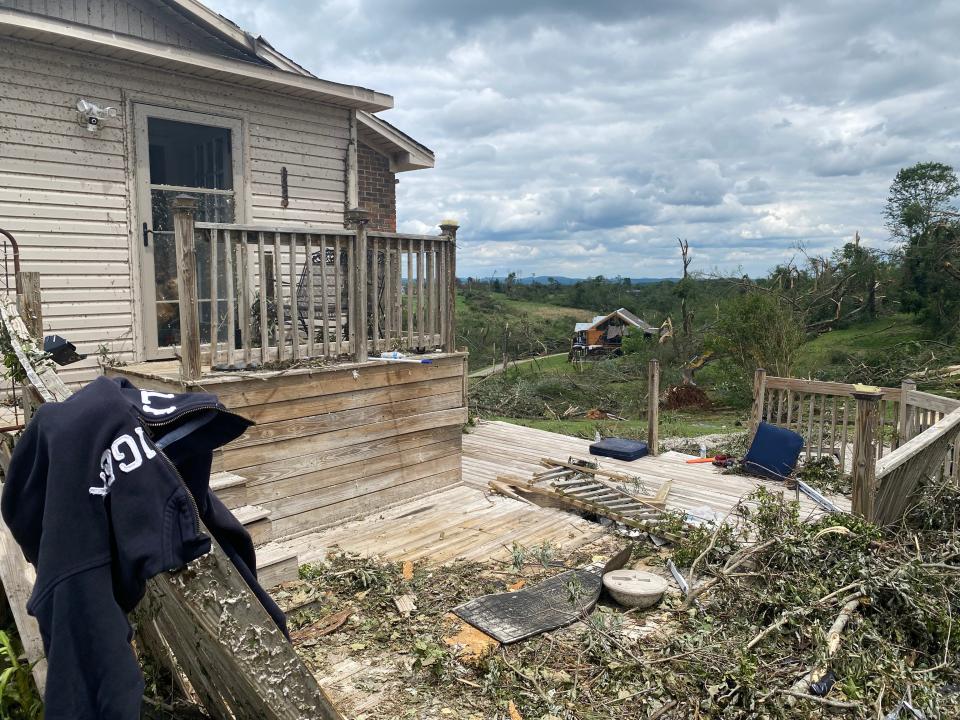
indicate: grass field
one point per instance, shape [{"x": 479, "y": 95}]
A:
[
  {"x": 672, "y": 424},
  {"x": 833, "y": 348},
  {"x": 554, "y": 364}
]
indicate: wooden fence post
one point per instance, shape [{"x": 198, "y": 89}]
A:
[
  {"x": 183, "y": 210},
  {"x": 905, "y": 428},
  {"x": 448, "y": 228},
  {"x": 28, "y": 303},
  {"x": 759, "y": 391},
  {"x": 357, "y": 218},
  {"x": 29, "y": 306},
  {"x": 865, "y": 453},
  {"x": 653, "y": 406}
]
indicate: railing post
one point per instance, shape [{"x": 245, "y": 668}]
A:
[
  {"x": 28, "y": 303},
  {"x": 759, "y": 392},
  {"x": 358, "y": 218},
  {"x": 653, "y": 407},
  {"x": 865, "y": 452},
  {"x": 29, "y": 306},
  {"x": 448, "y": 228},
  {"x": 905, "y": 430},
  {"x": 183, "y": 210}
]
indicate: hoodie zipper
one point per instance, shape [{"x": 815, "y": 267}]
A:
[{"x": 160, "y": 451}]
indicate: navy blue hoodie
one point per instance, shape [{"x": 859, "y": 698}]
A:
[{"x": 105, "y": 491}]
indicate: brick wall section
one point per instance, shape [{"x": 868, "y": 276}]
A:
[{"x": 376, "y": 187}]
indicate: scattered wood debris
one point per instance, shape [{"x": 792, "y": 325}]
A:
[
  {"x": 406, "y": 604},
  {"x": 581, "y": 485}
]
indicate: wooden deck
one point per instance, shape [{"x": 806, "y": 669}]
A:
[
  {"x": 460, "y": 523},
  {"x": 468, "y": 522},
  {"x": 498, "y": 448}
]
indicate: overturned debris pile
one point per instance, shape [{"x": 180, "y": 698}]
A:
[{"x": 786, "y": 617}]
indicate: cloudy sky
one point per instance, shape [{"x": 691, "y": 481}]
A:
[{"x": 577, "y": 138}]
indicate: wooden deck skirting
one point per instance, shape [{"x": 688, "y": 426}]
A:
[{"x": 335, "y": 442}]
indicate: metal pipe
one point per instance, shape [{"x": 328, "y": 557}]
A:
[{"x": 16, "y": 256}]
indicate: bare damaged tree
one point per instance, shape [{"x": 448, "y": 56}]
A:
[{"x": 684, "y": 292}]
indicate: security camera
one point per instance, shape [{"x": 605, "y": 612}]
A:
[{"x": 91, "y": 116}]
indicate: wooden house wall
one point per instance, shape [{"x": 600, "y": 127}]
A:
[
  {"x": 137, "y": 18},
  {"x": 333, "y": 444},
  {"x": 66, "y": 193}
]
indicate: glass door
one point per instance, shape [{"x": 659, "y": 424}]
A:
[{"x": 182, "y": 153}]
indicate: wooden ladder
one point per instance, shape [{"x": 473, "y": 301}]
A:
[{"x": 203, "y": 620}]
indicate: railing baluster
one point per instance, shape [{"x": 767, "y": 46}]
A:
[
  {"x": 833, "y": 427},
  {"x": 431, "y": 296},
  {"x": 820, "y": 423},
  {"x": 800, "y": 412},
  {"x": 311, "y": 304},
  {"x": 278, "y": 297},
  {"x": 337, "y": 295},
  {"x": 264, "y": 310},
  {"x": 843, "y": 439},
  {"x": 388, "y": 295},
  {"x": 810, "y": 424},
  {"x": 374, "y": 292},
  {"x": 231, "y": 309},
  {"x": 420, "y": 278},
  {"x": 397, "y": 303},
  {"x": 442, "y": 275},
  {"x": 410, "y": 294},
  {"x": 353, "y": 320},
  {"x": 294, "y": 301},
  {"x": 880, "y": 427},
  {"x": 245, "y": 319},
  {"x": 214, "y": 304},
  {"x": 324, "y": 298}
]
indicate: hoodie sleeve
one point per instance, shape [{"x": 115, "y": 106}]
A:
[
  {"x": 91, "y": 668},
  {"x": 92, "y": 671},
  {"x": 25, "y": 489}
]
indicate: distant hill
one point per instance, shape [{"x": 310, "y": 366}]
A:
[{"x": 544, "y": 279}]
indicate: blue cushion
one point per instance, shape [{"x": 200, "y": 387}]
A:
[
  {"x": 619, "y": 449},
  {"x": 774, "y": 452}
]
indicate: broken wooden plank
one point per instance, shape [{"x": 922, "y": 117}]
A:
[
  {"x": 557, "y": 497},
  {"x": 18, "y": 579}
]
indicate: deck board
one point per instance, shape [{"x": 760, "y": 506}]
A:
[
  {"x": 460, "y": 523},
  {"x": 493, "y": 448},
  {"x": 469, "y": 523}
]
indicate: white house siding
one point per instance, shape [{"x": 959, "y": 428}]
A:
[
  {"x": 138, "y": 18},
  {"x": 64, "y": 190}
]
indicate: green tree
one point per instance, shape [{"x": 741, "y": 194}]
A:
[
  {"x": 921, "y": 214},
  {"x": 758, "y": 329},
  {"x": 921, "y": 196}
]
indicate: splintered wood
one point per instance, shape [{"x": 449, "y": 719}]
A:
[{"x": 580, "y": 485}]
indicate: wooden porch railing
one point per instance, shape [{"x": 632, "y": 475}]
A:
[
  {"x": 312, "y": 292},
  {"x": 896, "y": 436},
  {"x": 824, "y": 413},
  {"x": 933, "y": 454}
]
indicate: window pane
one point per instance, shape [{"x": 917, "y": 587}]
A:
[
  {"x": 210, "y": 208},
  {"x": 190, "y": 155}
]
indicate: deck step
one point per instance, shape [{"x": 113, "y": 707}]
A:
[
  {"x": 257, "y": 522},
  {"x": 276, "y": 565},
  {"x": 230, "y": 488}
]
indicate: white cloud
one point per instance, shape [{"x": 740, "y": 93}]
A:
[{"x": 577, "y": 138}]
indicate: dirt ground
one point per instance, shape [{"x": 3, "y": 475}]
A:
[{"x": 378, "y": 662}]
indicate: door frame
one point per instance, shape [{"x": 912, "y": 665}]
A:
[{"x": 141, "y": 203}]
